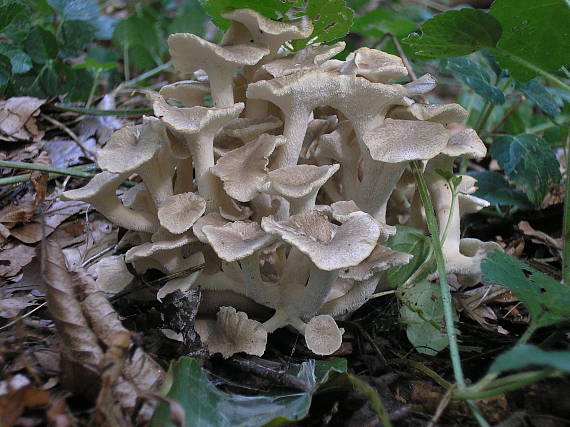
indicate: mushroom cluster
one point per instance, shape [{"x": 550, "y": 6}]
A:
[{"x": 283, "y": 188}]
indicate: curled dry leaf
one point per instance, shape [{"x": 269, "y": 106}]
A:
[{"x": 17, "y": 119}]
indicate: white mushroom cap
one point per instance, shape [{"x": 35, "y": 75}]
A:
[
  {"x": 263, "y": 31},
  {"x": 469, "y": 204},
  {"x": 440, "y": 113},
  {"x": 100, "y": 193},
  {"x": 237, "y": 240},
  {"x": 243, "y": 170},
  {"x": 232, "y": 333},
  {"x": 164, "y": 255},
  {"x": 465, "y": 144},
  {"x": 421, "y": 86},
  {"x": 112, "y": 274},
  {"x": 329, "y": 246},
  {"x": 322, "y": 335},
  {"x": 189, "y": 92},
  {"x": 299, "y": 180},
  {"x": 374, "y": 65},
  {"x": 180, "y": 211},
  {"x": 131, "y": 147},
  {"x": 190, "y": 53},
  {"x": 213, "y": 218},
  {"x": 382, "y": 258},
  {"x": 248, "y": 129},
  {"x": 307, "y": 58},
  {"x": 404, "y": 140}
]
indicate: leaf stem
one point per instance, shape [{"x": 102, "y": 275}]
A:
[
  {"x": 566, "y": 226},
  {"x": 444, "y": 287},
  {"x": 97, "y": 112},
  {"x": 93, "y": 88},
  {"x": 17, "y": 179},
  {"x": 548, "y": 76},
  {"x": 45, "y": 168}
]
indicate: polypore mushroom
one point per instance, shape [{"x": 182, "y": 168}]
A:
[
  {"x": 249, "y": 26},
  {"x": 298, "y": 184},
  {"x": 330, "y": 248},
  {"x": 375, "y": 65},
  {"x": 100, "y": 192},
  {"x": 180, "y": 211},
  {"x": 232, "y": 333},
  {"x": 189, "y": 92},
  {"x": 139, "y": 149},
  {"x": 391, "y": 146},
  {"x": 243, "y": 170},
  {"x": 297, "y": 95},
  {"x": 190, "y": 53},
  {"x": 198, "y": 125},
  {"x": 322, "y": 335}
]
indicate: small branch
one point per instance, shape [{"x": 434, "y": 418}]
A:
[
  {"x": 402, "y": 55},
  {"x": 144, "y": 76},
  {"x": 18, "y": 179},
  {"x": 281, "y": 378},
  {"x": 88, "y": 153},
  {"x": 509, "y": 114}
]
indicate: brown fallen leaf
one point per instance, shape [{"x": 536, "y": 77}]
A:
[
  {"x": 58, "y": 212},
  {"x": 11, "y": 307},
  {"x": 17, "y": 119},
  {"x": 77, "y": 337},
  {"x": 13, "y": 257},
  {"x": 542, "y": 237},
  {"x": 40, "y": 180},
  {"x": 16, "y": 394}
]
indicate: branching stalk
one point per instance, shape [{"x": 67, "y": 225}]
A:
[{"x": 566, "y": 226}]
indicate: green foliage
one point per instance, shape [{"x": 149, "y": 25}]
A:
[
  {"x": 75, "y": 10},
  {"x": 538, "y": 94},
  {"x": 274, "y": 9},
  {"x": 9, "y": 11},
  {"x": 528, "y": 162},
  {"x": 455, "y": 33},
  {"x": 547, "y": 300},
  {"x": 205, "y": 405},
  {"x": 331, "y": 20},
  {"x": 523, "y": 356},
  {"x": 422, "y": 313},
  {"x": 494, "y": 187},
  {"x": 476, "y": 77},
  {"x": 412, "y": 241},
  {"x": 534, "y": 31},
  {"x": 378, "y": 22}
]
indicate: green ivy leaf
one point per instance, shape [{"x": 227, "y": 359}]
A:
[
  {"x": 422, "y": 313},
  {"x": 273, "y": 9},
  {"x": 21, "y": 62},
  {"x": 455, "y": 33},
  {"x": 136, "y": 30},
  {"x": 41, "y": 45},
  {"x": 75, "y": 10},
  {"x": 546, "y": 299},
  {"x": 412, "y": 241},
  {"x": 76, "y": 35},
  {"x": 191, "y": 21},
  {"x": 331, "y": 20},
  {"x": 476, "y": 77},
  {"x": 536, "y": 31},
  {"x": 205, "y": 405},
  {"x": 538, "y": 94},
  {"x": 378, "y": 22},
  {"x": 493, "y": 187},
  {"x": 523, "y": 356},
  {"x": 8, "y": 11},
  {"x": 5, "y": 70},
  {"x": 104, "y": 26},
  {"x": 529, "y": 162}
]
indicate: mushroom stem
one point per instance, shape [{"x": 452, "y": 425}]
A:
[
  {"x": 307, "y": 203},
  {"x": 282, "y": 318},
  {"x": 352, "y": 300},
  {"x": 158, "y": 181},
  {"x": 221, "y": 85},
  {"x": 316, "y": 291},
  {"x": 296, "y": 269},
  {"x": 379, "y": 181},
  {"x": 252, "y": 278},
  {"x": 203, "y": 156},
  {"x": 296, "y": 121}
]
